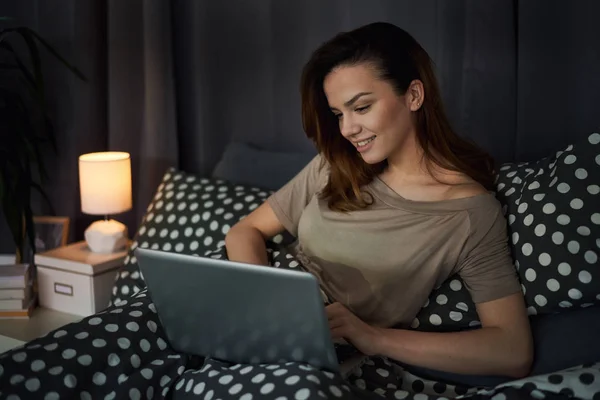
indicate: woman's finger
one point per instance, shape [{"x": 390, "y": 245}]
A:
[
  {"x": 339, "y": 332},
  {"x": 334, "y": 310},
  {"x": 336, "y": 323}
]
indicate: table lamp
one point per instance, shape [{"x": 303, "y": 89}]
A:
[{"x": 105, "y": 189}]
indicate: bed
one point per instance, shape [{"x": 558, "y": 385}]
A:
[{"x": 123, "y": 353}]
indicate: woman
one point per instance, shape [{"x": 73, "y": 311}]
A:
[{"x": 393, "y": 205}]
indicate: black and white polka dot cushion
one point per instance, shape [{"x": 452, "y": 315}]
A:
[
  {"x": 219, "y": 380},
  {"x": 389, "y": 380},
  {"x": 449, "y": 308},
  {"x": 120, "y": 353},
  {"x": 539, "y": 191},
  {"x": 189, "y": 215},
  {"x": 553, "y": 211}
]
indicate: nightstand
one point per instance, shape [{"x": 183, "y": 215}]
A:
[
  {"x": 73, "y": 282},
  {"x": 72, "y": 279},
  {"x": 14, "y": 332}
]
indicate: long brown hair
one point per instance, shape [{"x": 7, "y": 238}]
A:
[{"x": 398, "y": 59}]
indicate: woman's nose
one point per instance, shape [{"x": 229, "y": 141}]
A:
[{"x": 349, "y": 127}]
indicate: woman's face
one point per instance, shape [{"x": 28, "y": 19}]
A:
[{"x": 371, "y": 114}]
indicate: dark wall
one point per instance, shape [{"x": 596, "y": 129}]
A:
[
  {"x": 174, "y": 82},
  {"x": 558, "y": 74},
  {"x": 77, "y": 29}
]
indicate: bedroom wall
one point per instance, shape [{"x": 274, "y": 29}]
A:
[
  {"x": 557, "y": 74},
  {"x": 174, "y": 82}
]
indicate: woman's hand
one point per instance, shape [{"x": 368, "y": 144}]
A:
[{"x": 344, "y": 324}]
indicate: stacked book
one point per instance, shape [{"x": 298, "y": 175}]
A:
[{"x": 17, "y": 291}]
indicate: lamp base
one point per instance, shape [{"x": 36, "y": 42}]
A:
[{"x": 106, "y": 236}]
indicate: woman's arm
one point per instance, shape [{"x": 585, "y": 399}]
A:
[
  {"x": 245, "y": 241},
  {"x": 503, "y": 346}
]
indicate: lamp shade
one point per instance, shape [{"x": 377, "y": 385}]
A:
[{"x": 105, "y": 182}]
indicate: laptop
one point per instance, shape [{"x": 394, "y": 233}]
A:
[{"x": 241, "y": 313}]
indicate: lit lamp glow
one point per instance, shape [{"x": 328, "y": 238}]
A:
[{"x": 105, "y": 188}]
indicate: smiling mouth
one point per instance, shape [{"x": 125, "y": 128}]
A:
[{"x": 365, "y": 142}]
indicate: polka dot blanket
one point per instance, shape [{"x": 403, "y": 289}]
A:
[{"x": 123, "y": 353}]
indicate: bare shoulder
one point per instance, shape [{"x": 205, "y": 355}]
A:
[
  {"x": 461, "y": 186},
  {"x": 466, "y": 190}
]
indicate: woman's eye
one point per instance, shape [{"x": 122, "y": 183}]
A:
[{"x": 363, "y": 109}]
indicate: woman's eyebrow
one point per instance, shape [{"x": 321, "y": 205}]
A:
[
  {"x": 356, "y": 97},
  {"x": 353, "y": 99}
]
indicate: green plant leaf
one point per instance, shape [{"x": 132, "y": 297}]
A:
[
  {"x": 7, "y": 47},
  {"x": 12, "y": 208},
  {"x": 51, "y": 49},
  {"x": 29, "y": 33},
  {"x": 37, "y": 93},
  {"x": 27, "y": 213},
  {"x": 30, "y": 142},
  {"x": 36, "y": 60},
  {"x": 24, "y": 131},
  {"x": 16, "y": 167},
  {"x": 2, "y": 188},
  {"x": 42, "y": 193},
  {"x": 9, "y": 66}
]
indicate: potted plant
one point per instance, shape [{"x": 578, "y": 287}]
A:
[{"x": 26, "y": 130}]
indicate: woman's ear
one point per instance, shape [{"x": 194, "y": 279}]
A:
[{"x": 415, "y": 95}]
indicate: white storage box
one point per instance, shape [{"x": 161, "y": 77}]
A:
[{"x": 74, "y": 280}]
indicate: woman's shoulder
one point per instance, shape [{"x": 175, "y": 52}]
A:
[
  {"x": 459, "y": 185},
  {"x": 487, "y": 217},
  {"x": 317, "y": 163},
  {"x": 320, "y": 169},
  {"x": 485, "y": 211},
  {"x": 466, "y": 189}
]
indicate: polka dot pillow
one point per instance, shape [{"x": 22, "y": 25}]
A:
[
  {"x": 449, "y": 308},
  {"x": 189, "y": 215},
  {"x": 553, "y": 211}
]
